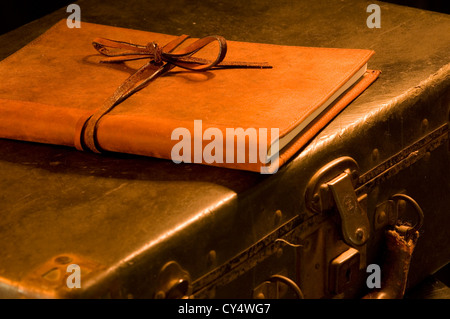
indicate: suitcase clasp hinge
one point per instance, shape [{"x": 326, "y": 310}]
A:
[{"x": 333, "y": 186}]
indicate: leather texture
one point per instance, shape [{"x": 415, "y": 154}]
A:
[
  {"x": 57, "y": 81},
  {"x": 160, "y": 61},
  {"x": 133, "y": 214}
]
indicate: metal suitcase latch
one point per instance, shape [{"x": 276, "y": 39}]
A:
[{"x": 333, "y": 186}]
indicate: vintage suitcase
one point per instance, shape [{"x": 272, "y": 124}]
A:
[{"x": 140, "y": 227}]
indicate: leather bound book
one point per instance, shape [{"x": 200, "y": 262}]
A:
[{"x": 249, "y": 118}]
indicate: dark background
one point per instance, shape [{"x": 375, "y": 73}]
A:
[{"x": 13, "y": 14}]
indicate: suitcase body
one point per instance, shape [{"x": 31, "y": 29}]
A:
[{"x": 146, "y": 228}]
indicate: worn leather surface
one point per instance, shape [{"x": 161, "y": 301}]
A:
[
  {"x": 134, "y": 214},
  {"x": 396, "y": 262},
  {"x": 77, "y": 85}
]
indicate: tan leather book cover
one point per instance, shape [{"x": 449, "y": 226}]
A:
[{"x": 57, "y": 80}]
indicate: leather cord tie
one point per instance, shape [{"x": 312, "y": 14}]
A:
[{"x": 161, "y": 60}]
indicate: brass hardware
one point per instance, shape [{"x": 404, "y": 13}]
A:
[
  {"x": 334, "y": 186},
  {"x": 344, "y": 271},
  {"x": 317, "y": 195},
  {"x": 406, "y": 229},
  {"x": 385, "y": 214},
  {"x": 388, "y": 213},
  {"x": 271, "y": 289},
  {"x": 173, "y": 282},
  {"x": 355, "y": 223}
]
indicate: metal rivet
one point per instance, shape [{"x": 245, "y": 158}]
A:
[
  {"x": 212, "y": 255},
  {"x": 279, "y": 252},
  {"x": 382, "y": 217},
  {"x": 278, "y": 215},
  {"x": 359, "y": 234},
  {"x": 424, "y": 124},
  {"x": 63, "y": 260},
  {"x": 260, "y": 296},
  {"x": 375, "y": 154}
]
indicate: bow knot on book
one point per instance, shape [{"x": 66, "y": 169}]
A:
[
  {"x": 161, "y": 60},
  {"x": 156, "y": 52},
  {"x": 118, "y": 51}
]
